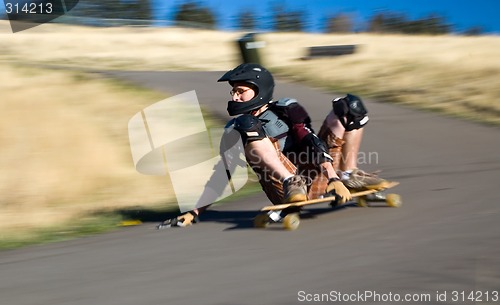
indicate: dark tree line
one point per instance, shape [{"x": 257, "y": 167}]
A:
[
  {"x": 114, "y": 9},
  {"x": 191, "y": 13},
  {"x": 398, "y": 23},
  {"x": 195, "y": 14},
  {"x": 283, "y": 20}
]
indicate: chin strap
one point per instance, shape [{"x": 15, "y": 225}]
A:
[{"x": 236, "y": 108}]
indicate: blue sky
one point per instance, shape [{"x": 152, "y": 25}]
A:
[{"x": 463, "y": 14}]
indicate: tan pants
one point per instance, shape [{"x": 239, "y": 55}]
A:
[{"x": 316, "y": 181}]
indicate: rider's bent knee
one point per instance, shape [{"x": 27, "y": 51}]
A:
[{"x": 351, "y": 112}]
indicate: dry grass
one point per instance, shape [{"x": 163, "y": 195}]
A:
[
  {"x": 454, "y": 75},
  {"x": 64, "y": 148},
  {"x": 119, "y": 48}
]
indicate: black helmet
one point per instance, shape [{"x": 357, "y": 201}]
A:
[{"x": 255, "y": 75}]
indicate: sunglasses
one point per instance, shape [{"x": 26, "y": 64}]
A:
[{"x": 238, "y": 91}]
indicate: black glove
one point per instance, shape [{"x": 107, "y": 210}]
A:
[{"x": 183, "y": 220}]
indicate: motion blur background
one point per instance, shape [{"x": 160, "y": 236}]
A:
[
  {"x": 65, "y": 164},
  {"x": 460, "y": 16}
]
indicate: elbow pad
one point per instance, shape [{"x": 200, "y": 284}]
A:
[{"x": 317, "y": 149}]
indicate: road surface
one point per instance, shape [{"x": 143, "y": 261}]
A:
[{"x": 441, "y": 245}]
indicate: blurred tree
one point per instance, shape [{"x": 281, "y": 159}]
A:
[
  {"x": 474, "y": 31},
  {"x": 114, "y": 9},
  {"x": 392, "y": 22},
  {"x": 389, "y": 22},
  {"x": 246, "y": 21},
  {"x": 139, "y": 9},
  {"x": 287, "y": 21},
  {"x": 377, "y": 23},
  {"x": 193, "y": 14},
  {"x": 340, "y": 23},
  {"x": 433, "y": 24}
]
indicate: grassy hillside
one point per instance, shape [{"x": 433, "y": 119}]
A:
[
  {"x": 450, "y": 74},
  {"x": 63, "y": 137},
  {"x": 64, "y": 149}
]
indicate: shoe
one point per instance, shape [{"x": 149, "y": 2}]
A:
[
  {"x": 360, "y": 180},
  {"x": 294, "y": 189}
]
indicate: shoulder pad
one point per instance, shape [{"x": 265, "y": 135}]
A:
[
  {"x": 285, "y": 102},
  {"x": 230, "y": 123}
]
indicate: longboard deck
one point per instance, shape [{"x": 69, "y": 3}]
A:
[{"x": 325, "y": 199}]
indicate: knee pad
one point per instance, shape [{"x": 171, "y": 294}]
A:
[
  {"x": 351, "y": 112},
  {"x": 249, "y": 127}
]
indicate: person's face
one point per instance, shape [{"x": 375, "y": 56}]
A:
[{"x": 242, "y": 92}]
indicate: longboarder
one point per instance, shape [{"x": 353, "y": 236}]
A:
[{"x": 291, "y": 161}]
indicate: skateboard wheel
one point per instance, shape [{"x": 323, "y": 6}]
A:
[
  {"x": 291, "y": 221},
  {"x": 393, "y": 200},
  {"x": 261, "y": 221},
  {"x": 362, "y": 201}
]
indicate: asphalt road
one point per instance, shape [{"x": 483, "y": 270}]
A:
[{"x": 444, "y": 240}]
